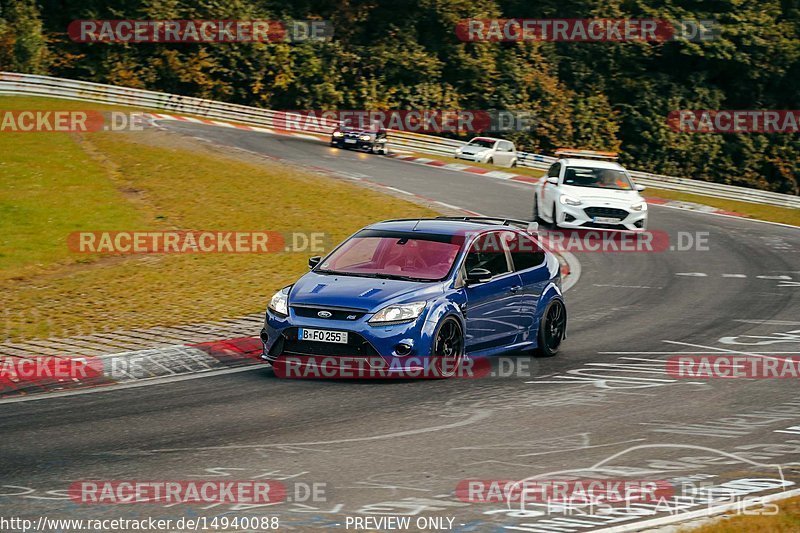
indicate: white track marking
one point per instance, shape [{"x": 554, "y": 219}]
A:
[
  {"x": 734, "y": 276},
  {"x": 723, "y": 350},
  {"x": 692, "y": 274},
  {"x": 476, "y": 417}
]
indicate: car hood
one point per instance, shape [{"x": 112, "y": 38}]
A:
[
  {"x": 593, "y": 195},
  {"x": 358, "y": 292},
  {"x": 472, "y": 150}
]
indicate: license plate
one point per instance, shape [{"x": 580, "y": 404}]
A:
[
  {"x": 322, "y": 335},
  {"x": 606, "y": 220},
  {"x": 349, "y": 141}
]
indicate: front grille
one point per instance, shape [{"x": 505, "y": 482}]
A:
[
  {"x": 357, "y": 346},
  {"x": 597, "y": 225},
  {"x": 337, "y": 314},
  {"x": 592, "y": 212}
]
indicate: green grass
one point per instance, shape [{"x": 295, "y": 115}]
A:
[
  {"x": 50, "y": 187},
  {"x": 786, "y": 521},
  {"x": 54, "y": 184}
]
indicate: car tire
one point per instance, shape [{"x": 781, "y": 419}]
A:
[
  {"x": 536, "y": 217},
  {"x": 375, "y": 149},
  {"x": 514, "y": 163},
  {"x": 552, "y": 329},
  {"x": 490, "y": 161},
  {"x": 449, "y": 340}
]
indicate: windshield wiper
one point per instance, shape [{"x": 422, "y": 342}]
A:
[
  {"x": 337, "y": 273},
  {"x": 402, "y": 278}
]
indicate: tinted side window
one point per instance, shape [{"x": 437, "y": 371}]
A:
[
  {"x": 554, "y": 170},
  {"x": 525, "y": 252},
  {"x": 487, "y": 252}
]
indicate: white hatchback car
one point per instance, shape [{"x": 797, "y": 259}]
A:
[
  {"x": 489, "y": 150},
  {"x": 583, "y": 193}
]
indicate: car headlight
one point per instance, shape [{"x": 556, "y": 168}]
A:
[
  {"x": 338, "y": 134},
  {"x": 398, "y": 313},
  {"x": 364, "y": 137},
  {"x": 639, "y": 206},
  {"x": 569, "y": 200},
  {"x": 280, "y": 302}
]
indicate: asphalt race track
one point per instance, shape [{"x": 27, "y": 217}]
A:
[{"x": 604, "y": 407}]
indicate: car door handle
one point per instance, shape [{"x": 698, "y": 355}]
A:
[{"x": 515, "y": 289}]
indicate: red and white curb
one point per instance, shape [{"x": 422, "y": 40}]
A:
[
  {"x": 211, "y": 122},
  {"x": 691, "y": 206},
  {"x": 125, "y": 367},
  {"x": 458, "y": 167}
]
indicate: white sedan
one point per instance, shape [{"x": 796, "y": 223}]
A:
[
  {"x": 583, "y": 193},
  {"x": 489, "y": 150}
]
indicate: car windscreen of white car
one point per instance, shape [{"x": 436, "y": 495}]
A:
[
  {"x": 601, "y": 178},
  {"x": 484, "y": 143}
]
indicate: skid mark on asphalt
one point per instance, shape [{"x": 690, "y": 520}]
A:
[{"x": 474, "y": 418}]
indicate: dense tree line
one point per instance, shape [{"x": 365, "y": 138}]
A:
[{"x": 404, "y": 54}]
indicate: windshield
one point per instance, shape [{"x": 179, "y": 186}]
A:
[
  {"x": 484, "y": 143},
  {"x": 601, "y": 178},
  {"x": 398, "y": 255}
]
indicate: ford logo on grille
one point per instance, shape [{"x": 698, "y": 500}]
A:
[{"x": 324, "y": 314}]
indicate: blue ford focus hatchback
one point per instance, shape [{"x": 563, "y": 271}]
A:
[{"x": 421, "y": 294}]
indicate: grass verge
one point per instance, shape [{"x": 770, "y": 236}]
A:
[
  {"x": 786, "y": 521},
  {"x": 54, "y": 184}
]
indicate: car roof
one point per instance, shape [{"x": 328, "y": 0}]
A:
[
  {"x": 439, "y": 226},
  {"x": 592, "y": 163},
  {"x": 486, "y": 139}
]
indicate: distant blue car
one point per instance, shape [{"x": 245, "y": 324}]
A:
[{"x": 415, "y": 295}]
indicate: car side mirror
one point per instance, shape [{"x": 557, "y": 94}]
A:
[
  {"x": 552, "y": 181},
  {"x": 478, "y": 275},
  {"x": 314, "y": 261},
  {"x": 640, "y": 188}
]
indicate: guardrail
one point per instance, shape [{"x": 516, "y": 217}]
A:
[{"x": 45, "y": 86}]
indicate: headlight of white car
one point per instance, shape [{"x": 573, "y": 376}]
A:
[
  {"x": 639, "y": 206},
  {"x": 338, "y": 134},
  {"x": 569, "y": 200},
  {"x": 398, "y": 313},
  {"x": 364, "y": 137},
  {"x": 280, "y": 302}
]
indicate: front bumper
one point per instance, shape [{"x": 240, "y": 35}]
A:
[
  {"x": 476, "y": 158},
  {"x": 602, "y": 217},
  {"x": 397, "y": 348}
]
